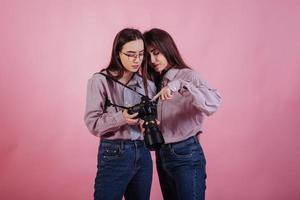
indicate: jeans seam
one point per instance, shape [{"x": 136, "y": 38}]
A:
[{"x": 194, "y": 185}]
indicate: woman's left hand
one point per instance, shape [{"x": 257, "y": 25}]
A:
[
  {"x": 164, "y": 94},
  {"x": 142, "y": 129}
]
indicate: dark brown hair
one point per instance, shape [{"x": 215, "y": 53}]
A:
[
  {"x": 124, "y": 36},
  {"x": 164, "y": 43}
]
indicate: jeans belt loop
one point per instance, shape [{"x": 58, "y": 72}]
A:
[
  {"x": 169, "y": 145},
  {"x": 122, "y": 145},
  {"x": 196, "y": 139}
]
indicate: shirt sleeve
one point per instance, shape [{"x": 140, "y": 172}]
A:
[
  {"x": 97, "y": 121},
  {"x": 204, "y": 98},
  {"x": 151, "y": 89}
]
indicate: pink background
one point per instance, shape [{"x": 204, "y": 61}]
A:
[{"x": 248, "y": 50}]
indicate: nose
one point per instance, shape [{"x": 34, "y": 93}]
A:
[
  {"x": 136, "y": 60},
  {"x": 152, "y": 58}
]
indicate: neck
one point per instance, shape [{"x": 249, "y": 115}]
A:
[
  {"x": 163, "y": 72},
  {"x": 126, "y": 77}
]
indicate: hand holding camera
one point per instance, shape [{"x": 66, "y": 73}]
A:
[
  {"x": 145, "y": 110},
  {"x": 130, "y": 118}
]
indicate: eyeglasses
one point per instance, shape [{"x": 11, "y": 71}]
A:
[{"x": 132, "y": 57}]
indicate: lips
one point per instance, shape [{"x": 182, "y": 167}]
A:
[{"x": 135, "y": 66}]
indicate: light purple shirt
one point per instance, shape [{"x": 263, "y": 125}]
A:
[
  {"x": 107, "y": 121},
  {"x": 182, "y": 116}
]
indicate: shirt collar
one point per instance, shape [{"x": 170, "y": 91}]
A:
[
  {"x": 135, "y": 80},
  {"x": 171, "y": 73}
]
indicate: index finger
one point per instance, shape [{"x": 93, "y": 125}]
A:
[
  {"x": 156, "y": 96},
  {"x": 132, "y": 115},
  {"x": 133, "y": 121}
]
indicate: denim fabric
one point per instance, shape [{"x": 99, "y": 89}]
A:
[
  {"x": 181, "y": 170},
  {"x": 124, "y": 169}
]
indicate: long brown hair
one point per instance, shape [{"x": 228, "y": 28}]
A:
[
  {"x": 124, "y": 36},
  {"x": 164, "y": 43}
]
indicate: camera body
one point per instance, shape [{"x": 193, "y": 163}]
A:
[{"x": 147, "y": 111}]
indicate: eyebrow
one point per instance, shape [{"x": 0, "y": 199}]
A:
[
  {"x": 135, "y": 51},
  {"x": 154, "y": 49}
]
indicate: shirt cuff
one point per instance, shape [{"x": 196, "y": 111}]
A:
[
  {"x": 174, "y": 85},
  {"x": 120, "y": 120}
]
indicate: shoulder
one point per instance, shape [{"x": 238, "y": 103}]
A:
[
  {"x": 97, "y": 80},
  {"x": 189, "y": 75},
  {"x": 186, "y": 73},
  {"x": 98, "y": 77}
]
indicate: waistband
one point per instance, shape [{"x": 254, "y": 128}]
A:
[
  {"x": 123, "y": 143},
  {"x": 190, "y": 140}
]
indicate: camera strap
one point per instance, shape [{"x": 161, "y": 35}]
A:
[{"x": 117, "y": 81}]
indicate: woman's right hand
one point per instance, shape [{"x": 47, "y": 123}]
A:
[
  {"x": 142, "y": 125},
  {"x": 129, "y": 118},
  {"x": 164, "y": 94}
]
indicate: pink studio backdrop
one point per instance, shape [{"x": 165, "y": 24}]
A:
[{"x": 248, "y": 50}]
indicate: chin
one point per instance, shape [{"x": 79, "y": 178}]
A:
[
  {"x": 134, "y": 70},
  {"x": 159, "y": 70}
]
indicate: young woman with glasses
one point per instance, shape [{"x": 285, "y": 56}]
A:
[
  {"x": 183, "y": 100},
  {"x": 124, "y": 163}
]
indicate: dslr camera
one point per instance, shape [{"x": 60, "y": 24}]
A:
[{"x": 147, "y": 111}]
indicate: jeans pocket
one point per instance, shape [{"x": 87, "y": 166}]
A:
[
  {"x": 182, "y": 151},
  {"x": 111, "y": 153}
]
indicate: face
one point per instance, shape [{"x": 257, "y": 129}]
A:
[
  {"x": 132, "y": 55},
  {"x": 158, "y": 60}
]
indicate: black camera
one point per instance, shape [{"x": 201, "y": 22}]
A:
[{"x": 147, "y": 111}]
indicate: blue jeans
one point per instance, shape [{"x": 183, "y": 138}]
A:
[
  {"x": 181, "y": 170},
  {"x": 124, "y": 169}
]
